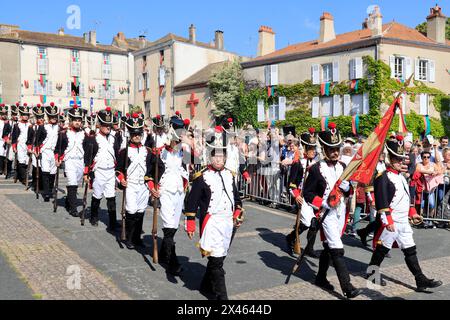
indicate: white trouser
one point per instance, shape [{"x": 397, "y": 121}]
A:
[
  {"x": 48, "y": 163},
  {"x": 104, "y": 183},
  {"x": 171, "y": 209},
  {"x": 22, "y": 153},
  {"x": 403, "y": 235},
  {"x": 74, "y": 169},
  {"x": 307, "y": 214},
  {"x": 216, "y": 236},
  {"x": 137, "y": 197},
  {"x": 12, "y": 155},
  {"x": 3, "y": 148},
  {"x": 333, "y": 227}
]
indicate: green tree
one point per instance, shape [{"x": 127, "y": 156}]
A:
[
  {"x": 422, "y": 28},
  {"x": 225, "y": 86}
]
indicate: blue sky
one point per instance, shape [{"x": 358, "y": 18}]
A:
[{"x": 293, "y": 20}]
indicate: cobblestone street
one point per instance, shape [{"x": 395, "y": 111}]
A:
[{"x": 43, "y": 253}]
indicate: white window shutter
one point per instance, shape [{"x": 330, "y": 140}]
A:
[
  {"x": 49, "y": 88},
  {"x": 416, "y": 69},
  {"x": 162, "y": 104},
  {"x": 408, "y": 67},
  {"x": 69, "y": 89},
  {"x": 42, "y": 66},
  {"x": 274, "y": 75},
  {"x": 366, "y": 105},
  {"x": 423, "y": 104},
  {"x": 315, "y": 71},
  {"x": 82, "y": 91},
  {"x": 147, "y": 85},
  {"x": 101, "y": 91},
  {"x": 336, "y": 71},
  {"x": 347, "y": 104},
  {"x": 282, "y": 108},
  {"x": 261, "y": 111},
  {"x": 337, "y": 106},
  {"x": 315, "y": 104},
  {"x": 358, "y": 68},
  {"x": 392, "y": 65},
  {"x": 107, "y": 71},
  {"x": 162, "y": 76},
  {"x": 36, "y": 87},
  {"x": 75, "y": 69},
  {"x": 431, "y": 71},
  {"x": 140, "y": 83},
  {"x": 113, "y": 92},
  {"x": 267, "y": 75},
  {"x": 351, "y": 67}
]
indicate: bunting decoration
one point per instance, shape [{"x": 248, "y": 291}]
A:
[
  {"x": 354, "y": 85},
  {"x": 270, "y": 91},
  {"x": 355, "y": 125},
  {"x": 325, "y": 89},
  {"x": 426, "y": 121},
  {"x": 324, "y": 123}
]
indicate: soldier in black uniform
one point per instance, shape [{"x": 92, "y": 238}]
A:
[
  {"x": 5, "y": 142},
  {"x": 298, "y": 172},
  {"x": 395, "y": 206},
  {"x": 214, "y": 196}
]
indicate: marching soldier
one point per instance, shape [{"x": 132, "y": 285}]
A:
[
  {"x": 46, "y": 139},
  {"x": 70, "y": 149},
  {"x": 173, "y": 180},
  {"x": 215, "y": 196},
  {"x": 321, "y": 179},
  {"x": 5, "y": 142},
  {"x": 133, "y": 174},
  {"x": 39, "y": 116},
  {"x": 100, "y": 163},
  {"x": 297, "y": 175},
  {"x": 117, "y": 132},
  {"x": 393, "y": 202},
  {"x": 21, "y": 143},
  {"x": 14, "y": 120},
  {"x": 159, "y": 135}
]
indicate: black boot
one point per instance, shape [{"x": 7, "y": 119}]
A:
[
  {"x": 95, "y": 205},
  {"x": 71, "y": 200},
  {"x": 46, "y": 184},
  {"x": 324, "y": 263},
  {"x": 22, "y": 171},
  {"x": 218, "y": 278},
  {"x": 311, "y": 236},
  {"x": 111, "y": 204},
  {"x": 342, "y": 272},
  {"x": 290, "y": 238},
  {"x": 167, "y": 244},
  {"x": 33, "y": 179},
  {"x": 412, "y": 262},
  {"x": 9, "y": 174},
  {"x": 206, "y": 285},
  {"x": 52, "y": 178},
  {"x": 2, "y": 165},
  {"x": 130, "y": 222},
  {"x": 377, "y": 258},
  {"x": 136, "y": 237}
]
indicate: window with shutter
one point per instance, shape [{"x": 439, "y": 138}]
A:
[
  {"x": 327, "y": 106},
  {"x": 431, "y": 71},
  {"x": 274, "y": 75},
  {"x": 327, "y": 72},
  {"x": 162, "y": 105},
  {"x": 351, "y": 68},
  {"x": 423, "y": 104},
  {"x": 423, "y": 70},
  {"x": 69, "y": 89},
  {"x": 315, "y": 69},
  {"x": 35, "y": 87},
  {"x": 147, "y": 82},
  {"x": 112, "y": 92},
  {"x": 358, "y": 68},
  {"x": 140, "y": 83},
  {"x": 42, "y": 66},
  {"x": 399, "y": 68},
  {"x": 49, "y": 88},
  {"x": 347, "y": 105},
  {"x": 107, "y": 71},
  {"x": 357, "y": 104},
  {"x": 267, "y": 74},
  {"x": 162, "y": 76},
  {"x": 82, "y": 92},
  {"x": 75, "y": 69},
  {"x": 261, "y": 111},
  {"x": 337, "y": 106},
  {"x": 366, "y": 103},
  {"x": 408, "y": 67},
  {"x": 416, "y": 69},
  {"x": 335, "y": 71},
  {"x": 282, "y": 108},
  {"x": 315, "y": 104}
]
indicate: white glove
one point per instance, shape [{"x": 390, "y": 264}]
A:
[{"x": 345, "y": 186}]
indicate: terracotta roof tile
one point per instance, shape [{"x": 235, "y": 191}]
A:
[
  {"x": 203, "y": 76},
  {"x": 390, "y": 30},
  {"x": 58, "y": 40}
]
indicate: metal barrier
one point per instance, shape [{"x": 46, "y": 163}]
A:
[{"x": 435, "y": 204}]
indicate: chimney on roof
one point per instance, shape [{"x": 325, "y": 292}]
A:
[
  {"x": 142, "y": 42},
  {"x": 436, "y": 25},
  {"x": 121, "y": 36},
  {"x": 266, "y": 42},
  {"x": 327, "y": 28},
  {"x": 61, "y": 31},
  {"x": 192, "y": 34},
  {"x": 218, "y": 40},
  {"x": 93, "y": 38},
  {"x": 375, "y": 22},
  {"x": 85, "y": 37}
]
